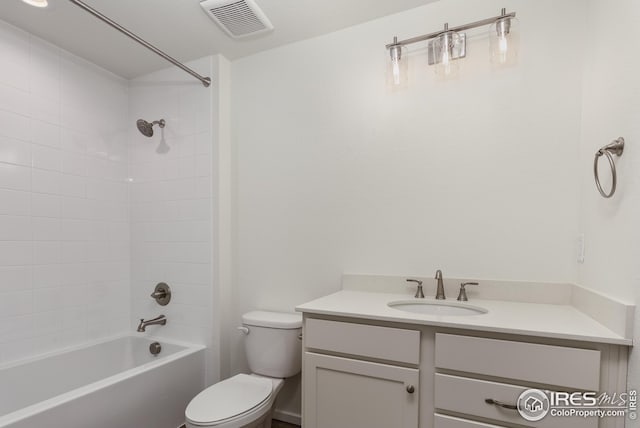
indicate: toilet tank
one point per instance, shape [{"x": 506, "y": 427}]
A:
[{"x": 273, "y": 344}]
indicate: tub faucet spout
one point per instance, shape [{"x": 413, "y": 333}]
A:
[{"x": 161, "y": 320}]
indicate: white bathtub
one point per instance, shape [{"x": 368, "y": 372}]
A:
[{"x": 109, "y": 384}]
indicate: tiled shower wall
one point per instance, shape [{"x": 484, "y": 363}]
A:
[
  {"x": 64, "y": 226},
  {"x": 171, "y": 204}
]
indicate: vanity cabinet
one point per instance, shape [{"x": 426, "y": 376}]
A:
[
  {"x": 361, "y": 373},
  {"x": 360, "y": 376}
]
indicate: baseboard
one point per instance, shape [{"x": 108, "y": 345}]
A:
[{"x": 288, "y": 417}]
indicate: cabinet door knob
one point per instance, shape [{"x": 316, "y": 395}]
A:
[{"x": 410, "y": 389}]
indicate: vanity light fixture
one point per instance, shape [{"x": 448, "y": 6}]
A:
[
  {"x": 37, "y": 3},
  {"x": 448, "y": 45}
]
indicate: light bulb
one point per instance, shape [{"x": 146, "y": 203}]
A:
[
  {"x": 396, "y": 73},
  {"x": 397, "y": 70},
  {"x": 37, "y": 3},
  {"x": 503, "y": 41},
  {"x": 446, "y": 66}
]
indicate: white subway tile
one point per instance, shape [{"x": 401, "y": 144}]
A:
[
  {"x": 13, "y": 228},
  {"x": 44, "y": 134},
  {"x": 196, "y": 295},
  {"x": 204, "y": 166},
  {"x": 14, "y": 303},
  {"x": 46, "y": 181},
  {"x": 14, "y": 100},
  {"x": 14, "y": 51},
  {"x": 14, "y": 253},
  {"x": 15, "y": 278},
  {"x": 74, "y": 274},
  {"x": 15, "y": 177},
  {"x": 16, "y": 152},
  {"x": 45, "y": 70},
  {"x": 75, "y": 208},
  {"x": 72, "y": 185},
  {"x": 46, "y": 252},
  {"x": 47, "y": 158},
  {"x": 43, "y": 205},
  {"x": 16, "y": 328},
  {"x": 14, "y": 202},
  {"x": 71, "y": 252},
  {"x": 47, "y": 276},
  {"x": 74, "y": 164},
  {"x": 73, "y": 141},
  {"x": 48, "y": 323},
  {"x": 44, "y": 109},
  {"x": 46, "y": 229},
  {"x": 75, "y": 230}
]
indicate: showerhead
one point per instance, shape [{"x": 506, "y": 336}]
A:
[{"x": 146, "y": 128}]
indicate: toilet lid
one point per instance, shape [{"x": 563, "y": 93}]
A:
[{"x": 227, "y": 399}]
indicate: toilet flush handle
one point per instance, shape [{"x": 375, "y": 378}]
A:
[{"x": 244, "y": 329}]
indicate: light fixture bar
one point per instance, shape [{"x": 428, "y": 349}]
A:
[{"x": 454, "y": 29}]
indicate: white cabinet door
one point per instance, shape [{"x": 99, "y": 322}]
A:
[{"x": 346, "y": 393}]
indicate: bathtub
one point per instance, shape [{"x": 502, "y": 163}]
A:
[{"x": 114, "y": 383}]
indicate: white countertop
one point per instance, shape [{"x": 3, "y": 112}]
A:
[{"x": 530, "y": 319}]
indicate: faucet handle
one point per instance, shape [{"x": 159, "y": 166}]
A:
[
  {"x": 419, "y": 293},
  {"x": 462, "y": 296}
]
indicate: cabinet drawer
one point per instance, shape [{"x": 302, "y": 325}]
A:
[
  {"x": 444, "y": 421},
  {"x": 552, "y": 365},
  {"x": 467, "y": 396},
  {"x": 385, "y": 343}
]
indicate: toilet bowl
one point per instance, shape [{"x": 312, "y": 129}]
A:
[
  {"x": 273, "y": 346},
  {"x": 240, "y": 401}
]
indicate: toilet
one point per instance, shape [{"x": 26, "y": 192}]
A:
[{"x": 273, "y": 347}]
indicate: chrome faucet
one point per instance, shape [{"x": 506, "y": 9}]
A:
[
  {"x": 440, "y": 289},
  {"x": 161, "y": 320}
]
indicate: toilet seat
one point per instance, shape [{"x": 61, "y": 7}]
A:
[{"x": 230, "y": 399}]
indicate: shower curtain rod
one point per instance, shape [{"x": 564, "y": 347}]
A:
[{"x": 206, "y": 81}]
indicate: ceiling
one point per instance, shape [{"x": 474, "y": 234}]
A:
[{"x": 181, "y": 28}]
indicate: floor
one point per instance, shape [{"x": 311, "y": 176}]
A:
[{"x": 278, "y": 424}]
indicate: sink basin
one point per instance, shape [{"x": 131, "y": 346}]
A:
[{"x": 436, "y": 307}]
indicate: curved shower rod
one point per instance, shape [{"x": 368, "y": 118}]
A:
[{"x": 206, "y": 81}]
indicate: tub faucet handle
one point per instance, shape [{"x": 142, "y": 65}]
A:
[{"x": 162, "y": 294}]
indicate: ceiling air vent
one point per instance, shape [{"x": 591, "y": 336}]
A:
[{"x": 238, "y": 18}]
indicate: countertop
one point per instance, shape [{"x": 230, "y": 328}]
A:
[{"x": 529, "y": 319}]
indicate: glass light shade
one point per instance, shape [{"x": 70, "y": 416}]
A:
[
  {"x": 37, "y": 3},
  {"x": 446, "y": 63},
  {"x": 503, "y": 42},
  {"x": 397, "y": 67}
]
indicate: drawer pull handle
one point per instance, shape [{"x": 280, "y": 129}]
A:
[
  {"x": 410, "y": 389},
  {"x": 501, "y": 404}
]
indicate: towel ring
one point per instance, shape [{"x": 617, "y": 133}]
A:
[{"x": 616, "y": 147}]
